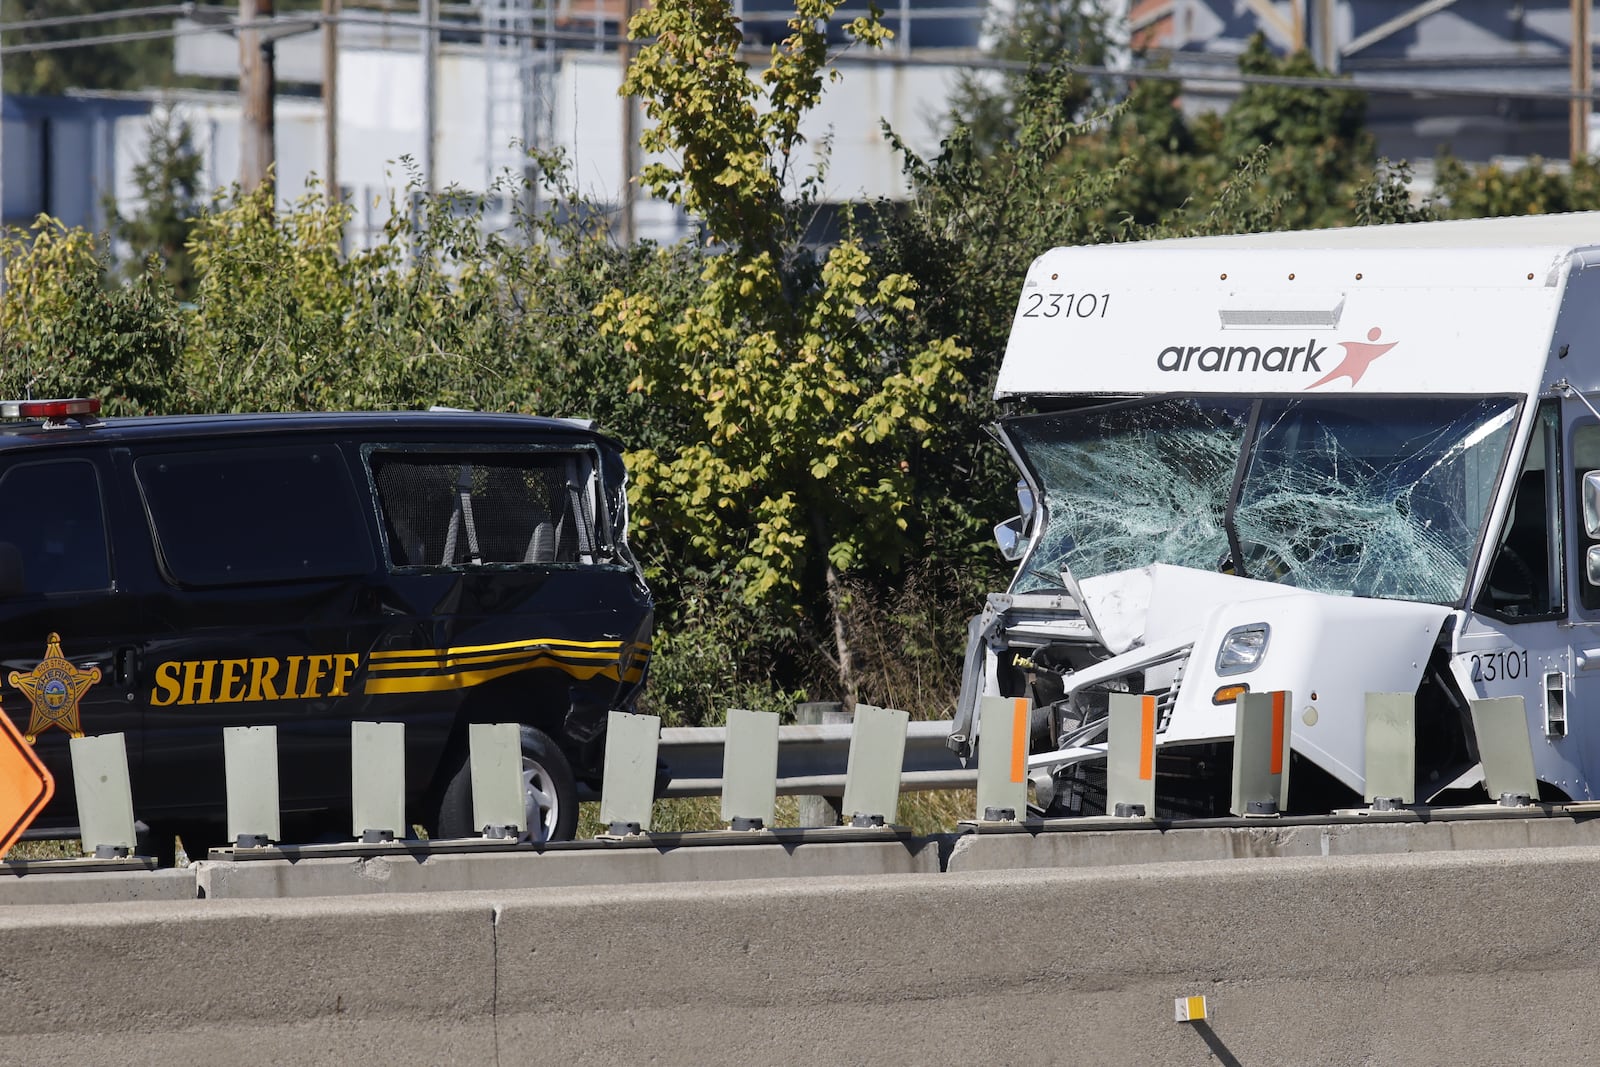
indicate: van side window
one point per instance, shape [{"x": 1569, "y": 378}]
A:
[
  {"x": 230, "y": 516},
  {"x": 52, "y": 529},
  {"x": 477, "y": 508},
  {"x": 1526, "y": 580},
  {"x": 1585, "y": 458}
]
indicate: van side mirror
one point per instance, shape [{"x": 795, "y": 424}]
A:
[
  {"x": 1013, "y": 545},
  {"x": 1591, "y": 505}
]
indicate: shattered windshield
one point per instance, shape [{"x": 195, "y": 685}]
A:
[{"x": 1368, "y": 496}]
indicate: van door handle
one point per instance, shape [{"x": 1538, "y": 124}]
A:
[{"x": 123, "y": 667}]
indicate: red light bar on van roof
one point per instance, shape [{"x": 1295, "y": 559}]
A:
[{"x": 49, "y": 409}]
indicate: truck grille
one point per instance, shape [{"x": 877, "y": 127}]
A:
[{"x": 1169, "y": 700}]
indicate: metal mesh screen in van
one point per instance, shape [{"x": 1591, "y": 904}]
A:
[{"x": 461, "y": 510}]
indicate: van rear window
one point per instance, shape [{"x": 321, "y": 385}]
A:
[
  {"x": 242, "y": 515},
  {"x": 478, "y": 508},
  {"x": 52, "y": 531}
]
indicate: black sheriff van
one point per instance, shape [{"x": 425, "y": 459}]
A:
[{"x": 168, "y": 577}]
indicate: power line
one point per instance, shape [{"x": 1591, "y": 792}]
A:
[
  {"x": 968, "y": 60},
  {"x": 97, "y": 16}
]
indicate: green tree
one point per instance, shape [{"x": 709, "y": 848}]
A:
[
  {"x": 168, "y": 181},
  {"x": 64, "y": 333},
  {"x": 799, "y": 382},
  {"x": 125, "y": 65},
  {"x": 1534, "y": 189},
  {"x": 1320, "y": 150},
  {"x": 1034, "y": 39}
]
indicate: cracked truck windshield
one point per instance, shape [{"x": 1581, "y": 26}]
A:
[{"x": 1376, "y": 496}]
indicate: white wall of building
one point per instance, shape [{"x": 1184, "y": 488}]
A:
[{"x": 381, "y": 123}]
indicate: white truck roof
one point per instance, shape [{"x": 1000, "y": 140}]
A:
[
  {"x": 1463, "y": 307},
  {"x": 1572, "y": 230}
]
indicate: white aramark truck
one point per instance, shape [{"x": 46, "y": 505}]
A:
[{"x": 1331, "y": 463}]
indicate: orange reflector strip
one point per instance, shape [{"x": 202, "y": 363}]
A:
[
  {"x": 1276, "y": 765},
  {"x": 1147, "y": 740},
  {"x": 1019, "y": 739}
]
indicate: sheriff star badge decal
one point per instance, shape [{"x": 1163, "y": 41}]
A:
[{"x": 55, "y": 686}]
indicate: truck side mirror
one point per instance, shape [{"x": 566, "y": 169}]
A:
[
  {"x": 1591, "y": 505},
  {"x": 1013, "y": 545}
]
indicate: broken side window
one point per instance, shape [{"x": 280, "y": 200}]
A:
[
  {"x": 468, "y": 509},
  {"x": 1526, "y": 577}
]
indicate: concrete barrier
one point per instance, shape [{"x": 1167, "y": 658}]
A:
[
  {"x": 1440, "y": 957},
  {"x": 398, "y": 872},
  {"x": 57, "y": 883},
  {"x": 1102, "y": 843},
  {"x": 411, "y": 867}
]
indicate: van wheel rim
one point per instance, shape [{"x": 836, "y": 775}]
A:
[{"x": 540, "y": 806}]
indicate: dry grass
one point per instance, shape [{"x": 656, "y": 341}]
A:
[
  {"x": 921, "y": 812},
  {"x": 67, "y": 848},
  {"x": 910, "y": 644}
]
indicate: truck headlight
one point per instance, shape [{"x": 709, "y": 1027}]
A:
[{"x": 1243, "y": 648}]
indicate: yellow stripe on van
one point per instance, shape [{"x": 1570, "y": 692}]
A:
[
  {"x": 462, "y": 650},
  {"x": 461, "y": 667},
  {"x": 435, "y": 661},
  {"x": 434, "y": 683}
]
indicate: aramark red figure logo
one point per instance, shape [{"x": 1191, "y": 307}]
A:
[{"x": 1358, "y": 356}]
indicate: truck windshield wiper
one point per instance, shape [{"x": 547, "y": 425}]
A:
[
  {"x": 1054, "y": 579},
  {"x": 1235, "y": 546}
]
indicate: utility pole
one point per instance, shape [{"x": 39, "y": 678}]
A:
[
  {"x": 330, "y": 98},
  {"x": 1327, "y": 44},
  {"x": 430, "y": 77},
  {"x": 1582, "y": 80},
  {"x": 2, "y": 159},
  {"x": 630, "y": 132},
  {"x": 257, "y": 87}
]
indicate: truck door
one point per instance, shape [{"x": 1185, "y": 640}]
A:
[
  {"x": 1518, "y": 641},
  {"x": 68, "y": 627},
  {"x": 1575, "y": 719}
]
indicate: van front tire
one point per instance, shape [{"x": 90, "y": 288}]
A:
[{"x": 549, "y": 793}]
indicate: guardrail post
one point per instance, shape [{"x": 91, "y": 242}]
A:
[
  {"x": 750, "y": 770},
  {"x": 1002, "y": 759},
  {"x": 1391, "y": 769},
  {"x": 1506, "y": 750},
  {"x": 105, "y": 801},
  {"x": 250, "y": 764},
  {"x": 1261, "y": 754},
  {"x": 872, "y": 773},
  {"x": 820, "y": 810},
  {"x": 378, "y": 781},
  {"x": 498, "y": 808},
  {"x": 1131, "y": 756},
  {"x": 627, "y": 793}
]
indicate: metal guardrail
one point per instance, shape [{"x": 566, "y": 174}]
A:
[
  {"x": 811, "y": 759},
  {"x": 859, "y": 768}
]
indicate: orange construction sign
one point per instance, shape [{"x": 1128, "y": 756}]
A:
[{"x": 25, "y": 786}]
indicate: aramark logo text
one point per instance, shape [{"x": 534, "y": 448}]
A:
[
  {"x": 1242, "y": 358},
  {"x": 1278, "y": 359}
]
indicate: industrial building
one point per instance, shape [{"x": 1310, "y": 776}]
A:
[{"x": 1485, "y": 80}]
